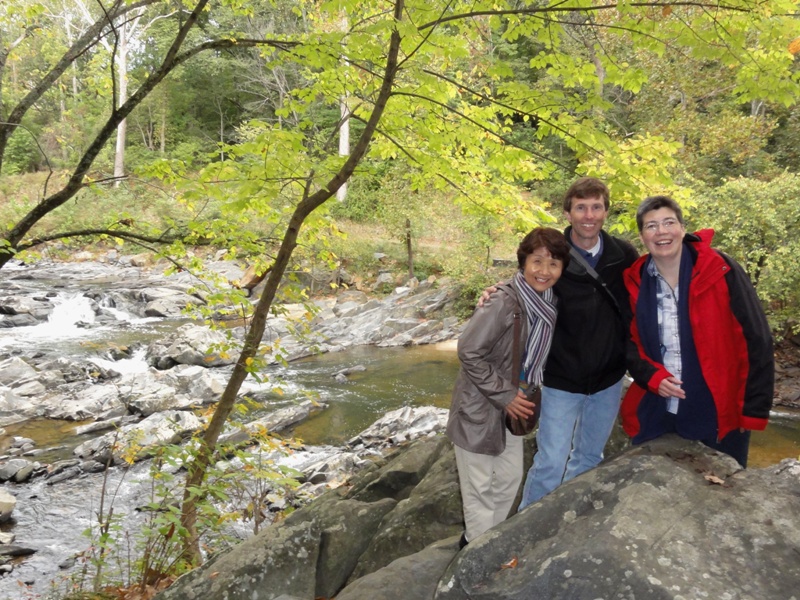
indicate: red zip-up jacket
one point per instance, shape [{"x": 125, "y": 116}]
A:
[{"x": 731, "y": 335}]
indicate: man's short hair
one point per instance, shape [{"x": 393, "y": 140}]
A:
[
  {"x": 544, "y": 237},
  {"x": 654, "y": 203},
  {"x": 587, "y": 187}
]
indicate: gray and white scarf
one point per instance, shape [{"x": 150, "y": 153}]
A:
[{"x": 541, "y": 312}]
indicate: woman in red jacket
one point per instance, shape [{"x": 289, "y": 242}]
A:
[{"x": 702, "y": 357}]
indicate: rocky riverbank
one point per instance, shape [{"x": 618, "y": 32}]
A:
[
  {"x": 186, "y": 366},
  {"x": 183, "y": 369}
]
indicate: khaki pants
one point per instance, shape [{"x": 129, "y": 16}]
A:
[{"x": 489, "y": 485}]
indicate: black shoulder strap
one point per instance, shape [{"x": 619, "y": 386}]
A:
[
  {"x": 516, "y": 354},
  {"x": 598, "y": 282}
]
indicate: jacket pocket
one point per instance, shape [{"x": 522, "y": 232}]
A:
[{"x": 476, "y": 410}]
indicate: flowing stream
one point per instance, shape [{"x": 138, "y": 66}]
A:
[{"x": 51, "y": 518}]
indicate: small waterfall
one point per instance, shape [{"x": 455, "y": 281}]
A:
[
  {"x": 135, "y": 364},
  {"x": 71, "y": 317},
  {"x": 109, "y": 306},
  {"x": 74, "y": 317},
  {"x": 70, "y": 312}
]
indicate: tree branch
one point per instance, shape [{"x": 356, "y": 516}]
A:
[
  {"x": 483, "y": 127},
  {"x": 577, "y": 9},
  {"x": 117, "y": 233},
  {"x": 496, "y": 102}
]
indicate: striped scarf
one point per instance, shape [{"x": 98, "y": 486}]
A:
[{"x": 541, "y": 312}]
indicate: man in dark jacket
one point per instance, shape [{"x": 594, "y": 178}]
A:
[
  {"x": 702, "y": 355},
  {"x": 583, "y": 376}
]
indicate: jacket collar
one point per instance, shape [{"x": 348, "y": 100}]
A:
[{"x": 612, "y": 254}]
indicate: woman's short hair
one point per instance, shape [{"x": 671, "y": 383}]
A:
[
  {"x": 654, "y": 203},
  {"x": 544, "y": 237}
]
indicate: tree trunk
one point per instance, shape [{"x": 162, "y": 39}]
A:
[
  {"x": 221, "y": 129},
  {"x": 344, "y": 125},
  {"x": 197, "y": 469},
  {"x": 344, "y": 142},
  {"x": 409, "y": 250},
  {"x": 122, "y": 128},
  {"x": 163, "y": 133}
]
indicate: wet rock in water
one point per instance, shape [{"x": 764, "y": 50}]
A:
[
  {"x": 404, "y": 424},
  {"x": 14, "y": 550},
  {"x": 14, "y": 408},
  {"x": 190, "y": 345},
  {"x": 26, "y": 472},
  {"x": 19, "y": 321},
  {"x": 7, "y": 505},
  {"x": 64, "y": 475},
  {"x": 14, "y": 370},
  {"x": 400, "y": 319},
  {"x": 82, "y": 400},
  {"x": 159, "y": 429},
  {"x": 22, "y": 442},
  {"x": 166, "y": 302},
  {"x": 154, "y": 397},
  {"x": 92, "y": 466},
  {"x": 35, "y": 308},
  {"x": 17, "y": 469},
  {"x": 106, "y": 424},
  {"x": 349, "y": 371},
  {"x": 275, "y": 421}
]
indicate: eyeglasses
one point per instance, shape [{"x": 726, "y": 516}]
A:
[{"x": 668, "y": 225}]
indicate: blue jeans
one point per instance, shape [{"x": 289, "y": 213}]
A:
[{"x": 573, "y": 430}]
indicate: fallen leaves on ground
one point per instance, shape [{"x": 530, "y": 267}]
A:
[
  {"x": 512, "y": 564},
  {"x": 711, "y": 478}
]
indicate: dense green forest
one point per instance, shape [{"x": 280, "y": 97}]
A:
[
  {"x": 234, "y": 125},
  {"x": 208, "y": 122}
]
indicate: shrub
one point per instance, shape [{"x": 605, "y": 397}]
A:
[{"x": 22, "y": 154}]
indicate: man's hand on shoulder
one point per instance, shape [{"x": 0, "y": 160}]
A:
[{"x": 487, "y": 294}]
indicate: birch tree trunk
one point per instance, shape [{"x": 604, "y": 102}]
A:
[{"x": 122, "y": 128}]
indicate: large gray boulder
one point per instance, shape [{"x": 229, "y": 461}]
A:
[
  {"x": 278, "y": 561},
  {"x": 409, "y": 577},
  {"x": 668, "y": 519},
  {"x": 346, "y": 526},
  {"x": 431, "y": 512}
]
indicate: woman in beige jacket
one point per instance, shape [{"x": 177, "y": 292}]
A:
[{"x": 489, "y": 459}]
